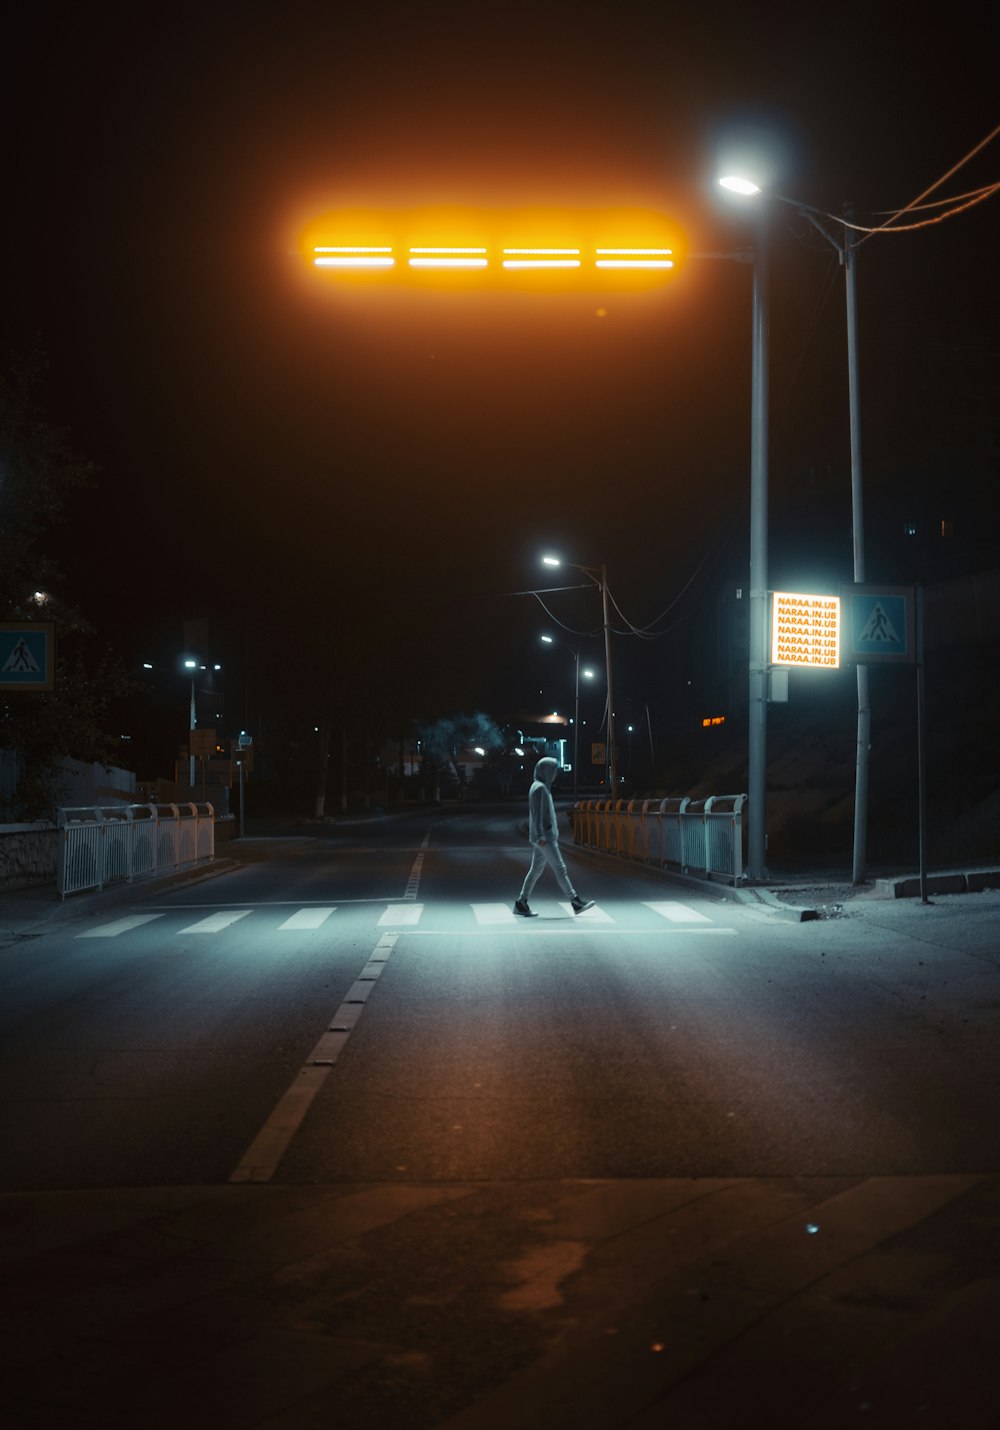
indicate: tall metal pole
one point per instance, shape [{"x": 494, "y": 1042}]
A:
[
  {"x": 613, "y": 791},
  {"x": 921, "y": 744},
  {"x": 758, "y": 654},
  {"x": 576, "y": 728},
  {"x": 858, "y": 530},
  {"x": 847, "y": 251},
  {"x": 194, "y": 722}
]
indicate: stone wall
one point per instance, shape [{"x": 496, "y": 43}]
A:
[{"x": 28, "y": 855}]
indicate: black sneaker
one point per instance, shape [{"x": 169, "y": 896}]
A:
[
  {"x": 580, "y": 906},
  {"x": 521, "y": 907}
]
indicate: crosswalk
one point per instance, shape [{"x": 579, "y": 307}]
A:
[{"x": 407, "y": 914}]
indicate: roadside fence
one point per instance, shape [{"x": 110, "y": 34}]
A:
[
  {"x": 99, "y": 844},
  {"x": 697, "y": 836}
]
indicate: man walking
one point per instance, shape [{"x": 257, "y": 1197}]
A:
[{"x": 543, "y": 831}]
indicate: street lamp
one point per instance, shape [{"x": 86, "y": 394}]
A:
[
  {"x": 193, "y": 665},
  {"x": 846, "y": 249},
  {"x": 588, "y": 675},
  {"x": 599, "y": 576}
]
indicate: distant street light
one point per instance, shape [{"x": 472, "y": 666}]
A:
[
  {"x": 599, "y": 576},
  {"x": 588, "y": 675},
  {"x": 846, "y": 249},
  {"x": 192, "y": 665}
]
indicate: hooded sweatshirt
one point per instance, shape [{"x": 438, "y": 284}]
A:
[{"x": 541, "y": 807}]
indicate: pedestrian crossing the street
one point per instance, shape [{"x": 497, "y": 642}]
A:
[{"x": 405, "y": 914}]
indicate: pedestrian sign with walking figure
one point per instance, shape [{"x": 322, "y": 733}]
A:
[
  {"x": 879, "y": 624},
  {"x": 27, "y": 655}
]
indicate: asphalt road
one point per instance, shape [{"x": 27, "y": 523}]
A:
[
  {"x": 663, "y": 1034},
  {"x": 338, "y": 1099}
]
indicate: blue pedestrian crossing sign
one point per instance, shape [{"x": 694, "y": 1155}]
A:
[
  {"x": 879, "y": 625},
  {"x": 27, "y": 655}
]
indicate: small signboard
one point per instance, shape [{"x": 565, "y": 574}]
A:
[
  {"x": 805, "y": 630},
  {"x": 242, "y": 753},
  {"x": 879, "y": 625},
  {"x": 27, "y": 655},
  {"x": 202, "y": 744},
  {"x": 598, "y": 754}
]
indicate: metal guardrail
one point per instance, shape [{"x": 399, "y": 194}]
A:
[
  {"x": 698, "y": 836},
  {"x": 99, "y": 844}
]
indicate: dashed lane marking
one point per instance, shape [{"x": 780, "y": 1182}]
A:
[{"x": 260, "y": 1161}]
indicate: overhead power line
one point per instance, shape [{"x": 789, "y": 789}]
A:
[{"x": 937, "y": 184}]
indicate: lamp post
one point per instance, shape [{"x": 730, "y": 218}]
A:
[
  {"x": 846, "y": 249},
  {"x": 588, "y": 674},
  {"x": 758, "y": 650},
  {"x": 599, "y": 576},
  {"x": 193, "y": 665}
]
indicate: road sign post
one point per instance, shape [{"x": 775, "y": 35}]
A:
[{"x": 884, "y": 626}]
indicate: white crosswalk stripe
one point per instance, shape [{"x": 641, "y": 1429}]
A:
[
  {"x": 596, "y": 915},
  {"x": 215, "y": 923},
  {"x": 120, "y": 926},
  {"x": 676, "y": 913},
  {"x": 406, "y": 914},
  {"x": 400, "y": 915},
  {"x": 308, "y": 919},
  {"x": 494, "y": 914}
]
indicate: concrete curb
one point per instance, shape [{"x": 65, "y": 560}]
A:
[
  {"x": 973, "y": 882},
  {"x": 793, "y": 913}
]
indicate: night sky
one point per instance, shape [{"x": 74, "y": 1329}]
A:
[{"x": 363, "y": 473}]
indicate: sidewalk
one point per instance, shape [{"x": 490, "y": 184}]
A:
[{"x": 572, "y": 1305}]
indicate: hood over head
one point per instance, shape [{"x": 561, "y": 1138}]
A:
[{"x": 546, "y": 770}]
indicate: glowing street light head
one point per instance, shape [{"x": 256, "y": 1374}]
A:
[
  {"x": 551, "y": 561},
  {"x": 546, "y": 639},
  {"x": 737, "y": 184},
  {"x": 190, "y": 664}
]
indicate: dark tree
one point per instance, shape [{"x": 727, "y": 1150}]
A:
[{"x": 38, "y": 474}]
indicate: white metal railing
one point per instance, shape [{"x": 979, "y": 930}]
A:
[
  {"x": 99, "y": 844},
  {"x": 699, "y": 836}
]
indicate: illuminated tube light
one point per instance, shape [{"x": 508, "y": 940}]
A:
[
  {"x": 447, "y": 258},
  {"x": 634, "y": 258},
  {"x": 353, "y": 256},
  {"x": 541, "y": 258}
]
